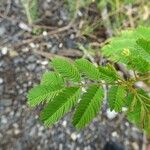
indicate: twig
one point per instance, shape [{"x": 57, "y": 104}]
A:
[{"x": 59, "y": 30}]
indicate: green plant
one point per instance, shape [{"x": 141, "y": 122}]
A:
[
  {"x": 31, "y": 10},
  {"x": 80, "y": 84}
]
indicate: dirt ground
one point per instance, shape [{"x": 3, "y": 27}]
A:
[{"x": 23, "y": 59}]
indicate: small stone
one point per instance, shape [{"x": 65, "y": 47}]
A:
[
  {"x": 44, "y": 62},
  {"x": 25, "y": 27},
  {"x": 135, "y": 146},
  {"x": 31, "y": 67},
  {"x": 115, "y": 134},
  {"x": 15, "y": 125},
  {"x": 2, "y": 31},
  {"x": 72, "y": 36},
  {"x": 45, "y": 33},
  {"x": 31, "y": 58},
  {"x": 25, "y": 49},
  {"x": 60, "y": 45},
  {"x": 1, "y": 80},
  {"x": 3, "y": 120},
  {"x": 64, "y": 123},
  {"x": 32, "y": 45},
  {"x": 111, "y": 114},
  {"x": 5, "y": 102},
  {"x": 4, "y": 50},
  {"x": 17, "y": 131},
  {"x": 73, "y": 136}
]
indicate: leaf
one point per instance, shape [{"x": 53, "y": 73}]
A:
[
  {"x": 116, "y": 98},
  {"x": 60, "y": 105},
  {"x": 127, "y": 49},
  {"x": 108, "y": 73},
  {"x": 41, "y": 93},
  {"x": 66, "y": 68},
  {"x": 144, "y": 44},
  {"x": 87, "y": 69},
  {"x": 89, "y": 106},
  {"x": 52, "y": 78}
]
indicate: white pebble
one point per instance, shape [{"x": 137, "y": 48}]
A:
[
  {"x": 73, "y": 136},
  {"x": 44, "y": 33},
  {"x": 44, "y": 62},
  {"x": 115, "y": 134},
  {"x": 1, "y": 80},
  {"x": 4, "y": 50},
  {"x": 32, "y": 45},
  {"x": 60, "y": 45},
  {"x": 111, "y": 114},
  {"x": 64, "y": 123},
  {"x": 25, "y": 27},
  {"x": 17, "y": 131}
]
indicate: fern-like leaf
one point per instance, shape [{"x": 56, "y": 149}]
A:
[
  {"x": 116, "y": 98},
  {"x": 41, "y": 93},
  {"x": 125, "y": 49},
  {"x": 66, "y": 68},
  {"x": 89, "y": 106},
  {"x": 52, "y": 78},
  {"x": 88, "y": 69},
  {"x": 108, "y": 74},
  {"x": 60, "y": 105}
]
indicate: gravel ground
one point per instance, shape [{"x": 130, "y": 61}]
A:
[{"x": 20, "y": 128}]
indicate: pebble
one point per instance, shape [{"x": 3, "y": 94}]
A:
[
  {"x": 2, "y": 30},
  {"x": 135, "y": 146},
  {"x": 31, "y": 58},
  {"x": 31, "y": 67},
  {"x": 1, "y": 80},
  {"x": 115, "y": 134},
  {"x": 45, "y": 33},
  {"x": 73, "y": 136},
  {"x": 64, "y": 123},
  {"x": 45, "y": 62},
  {"x": 4, "y": 50},
  {"x": 17, "y": 131},
  {"x": 5, "y": 102},
  {"x": 111, "y": 114},
  {"x": 3, "y": 120},
  {"x": 25, "y": 27}
]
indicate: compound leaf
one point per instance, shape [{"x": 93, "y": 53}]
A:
[
  {"x": 41, "y": 93},
  {"x": 66, "y": 68},
  {"x": 116, "y": 98},
  {"x": 89, "y": 106},
  {"x": 88, "y": 69},
  {"x": 60, "y": 105}
]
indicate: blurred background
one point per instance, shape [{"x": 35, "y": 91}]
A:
[{"x": 31, "y": 33}]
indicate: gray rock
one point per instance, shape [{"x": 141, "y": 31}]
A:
[
  {"x": 5, "y": 102},
  {"x": 31, "y": 58},
  {"x": 2, "y": 30},
  {"x": 31, "y": 67}
]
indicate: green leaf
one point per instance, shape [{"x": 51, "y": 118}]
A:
[
  {"x": 139, "y": 114},
  {"x": 66, "y": 68},
  {"x": 87, "y": 69},
  {"x": 52, "y": 78},
  {"x": 129, "y": 49},
  {"x": 116, "y": 98},
  {"x": 108, "y": 73},
  {"x": 144, "y": 44},
  {"x": 60, "y": 105},
  {"x": 41, "y": 93},
  {"x": 89, "y": 106}
]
